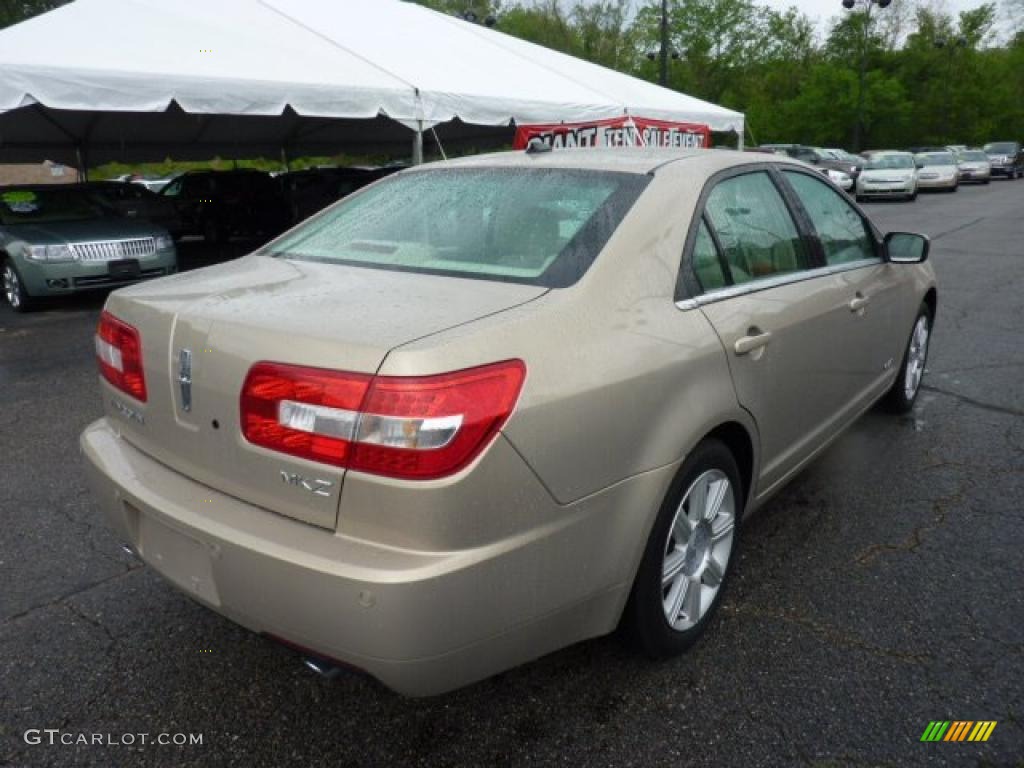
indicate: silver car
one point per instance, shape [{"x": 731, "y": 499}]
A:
[
  {"x": 888, "y": 174},
  {"x": 937, "y": 170},
  {"x": 484, "y": 409},
  {"x": 974, "y": 166}
]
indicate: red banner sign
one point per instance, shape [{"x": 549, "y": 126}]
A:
[{"x": 616, "y": 132}]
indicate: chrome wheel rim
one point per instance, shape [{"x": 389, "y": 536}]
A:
[
  {"x": 11, "y": 288},
  {"x": 917, "y": 354},
  {"x": 697, "y": 550}
]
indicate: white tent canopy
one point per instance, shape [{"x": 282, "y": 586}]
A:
[{"x": 143, "y": 79}]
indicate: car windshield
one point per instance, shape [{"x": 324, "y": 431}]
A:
[
  {"x": 936, "y": 158},
  {"x": 973, "y": 156},
  {"x": 37, "y": 206},
  {"x": 535, "y": 226},
  {"x": 1001, "y": 148},
  {"x": 885, "y": 162}
]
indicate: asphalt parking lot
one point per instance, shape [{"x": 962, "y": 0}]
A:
[{"x": 882, "y": 590}]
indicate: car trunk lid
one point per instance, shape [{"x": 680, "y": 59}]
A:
[{"x": 202, "y": 332}]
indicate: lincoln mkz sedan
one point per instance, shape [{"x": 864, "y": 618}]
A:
[
  {"x": 486, "y": 408},
  {"x": 56, "y": 240}
]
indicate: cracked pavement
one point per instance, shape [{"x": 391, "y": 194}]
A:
[{"x": 881, "y": 590}]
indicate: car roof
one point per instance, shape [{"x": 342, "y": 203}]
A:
[{"x": 638, "y": 160}]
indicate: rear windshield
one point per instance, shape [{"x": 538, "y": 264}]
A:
[
  {"x": 536, "y": 226},
  {"x": 36, "y": 206},
  {"x": 881, "y": 162},
  {"x": 1001, "y": 148},
  {"x": 936, "y": 158}
]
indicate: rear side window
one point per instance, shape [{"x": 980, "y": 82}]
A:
[
  {"x": 843, "y": 233},
  {"x": 539, "y": 226},
  {"x": 755, "y": 229},
  {"x": 706, "y": 264}
]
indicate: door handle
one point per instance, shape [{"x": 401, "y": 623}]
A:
[
  {"x": 858, "y": 302},
  {"x": 756, "y": 340}
]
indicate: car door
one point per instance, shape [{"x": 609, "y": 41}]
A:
[
  {"x": 866, "y": 289},
  {"x": 771, "y": 304}
]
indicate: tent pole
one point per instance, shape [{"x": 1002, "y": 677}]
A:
[
  {"x": 284, "y": 160},
  {"x": 417, "y": 144},
  {"x": 83, "y": 172},
  {"x": 739, "y": 140}
]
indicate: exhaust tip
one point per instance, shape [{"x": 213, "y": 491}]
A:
[{"x": 323, "y": 668}]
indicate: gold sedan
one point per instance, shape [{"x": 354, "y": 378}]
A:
[{"x": 486, "y": 408}]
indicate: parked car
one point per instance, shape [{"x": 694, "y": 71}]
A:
[
  {"x": 134, "y": 201},
  {"x": 1006, "y": 158},
  {"x": 222, "y": 204},
  {"x": 888, "y": 173},
  {"x": 817, "y": 157},
  {"x": 479, "y": 411},
  {"x": 937, "y": 170},
  {"x": 309, "y": 191},
  {"x": 56, "y": 240},
  {"x": 840, "y": 179},
  {"x": 974, "y": 166}
]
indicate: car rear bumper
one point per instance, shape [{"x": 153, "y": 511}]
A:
[{"x": 421, "y": 622}]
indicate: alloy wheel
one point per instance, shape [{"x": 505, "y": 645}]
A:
[
  {"x": 12, "y": 286},
  {"x": 917, "y": 355},
  {"x": 698, "y": 549}
]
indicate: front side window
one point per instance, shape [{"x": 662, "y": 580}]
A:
[
  {"x": 539, "y": 226},
  {"x": 754, "y": 227},
  {"x": 843, "y": 234}
]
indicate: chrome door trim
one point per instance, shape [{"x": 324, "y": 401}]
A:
[{"x": 732, "y": 291}]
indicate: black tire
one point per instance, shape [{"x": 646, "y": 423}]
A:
[
  {"x": 644, "y": 620},
  {"x": 18, "y": 298},
  {"x": 986, "y": 181},
  {"x": 897, "y": 400},
  {"x": 912, "y": 196},
  {"x": 859, "y": 198}
]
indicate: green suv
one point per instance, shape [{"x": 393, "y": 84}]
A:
[{"x": 56, "y": 240}]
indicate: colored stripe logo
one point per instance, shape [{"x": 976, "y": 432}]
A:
[{"x": 958, "y": 730}]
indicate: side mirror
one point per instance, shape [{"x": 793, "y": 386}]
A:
[{"x": 906, "y": 248}]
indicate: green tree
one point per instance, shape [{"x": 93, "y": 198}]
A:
[{"x": 14, "y": 11}]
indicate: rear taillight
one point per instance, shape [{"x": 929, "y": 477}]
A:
[
  {"x": 416, "y": 427},
  {"x": 119, "y": 353}
]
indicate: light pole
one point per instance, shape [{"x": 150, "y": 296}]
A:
[
  {"x": 664, "y": 51},
  {"x": 858, "y": 128}
]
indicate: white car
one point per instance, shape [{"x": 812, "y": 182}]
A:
[
  {"x": 888, "y": 174},
  {"x": 937, "y": 170},
  {"x": 842, "y": 180}
]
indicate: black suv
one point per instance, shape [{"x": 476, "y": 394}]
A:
[
  {"x": 309, "y": 191},
  {"x": 1006, "y": 158},
  {"x": 220, "y": 204}
]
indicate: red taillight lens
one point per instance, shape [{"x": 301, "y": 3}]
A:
[
  {"x": 119, "y": 353},
  {"x": 418, "y": 427},
  {"x": 307, "y": 412}
]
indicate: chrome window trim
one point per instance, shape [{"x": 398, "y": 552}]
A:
[{"x": 764, "y": 284}]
